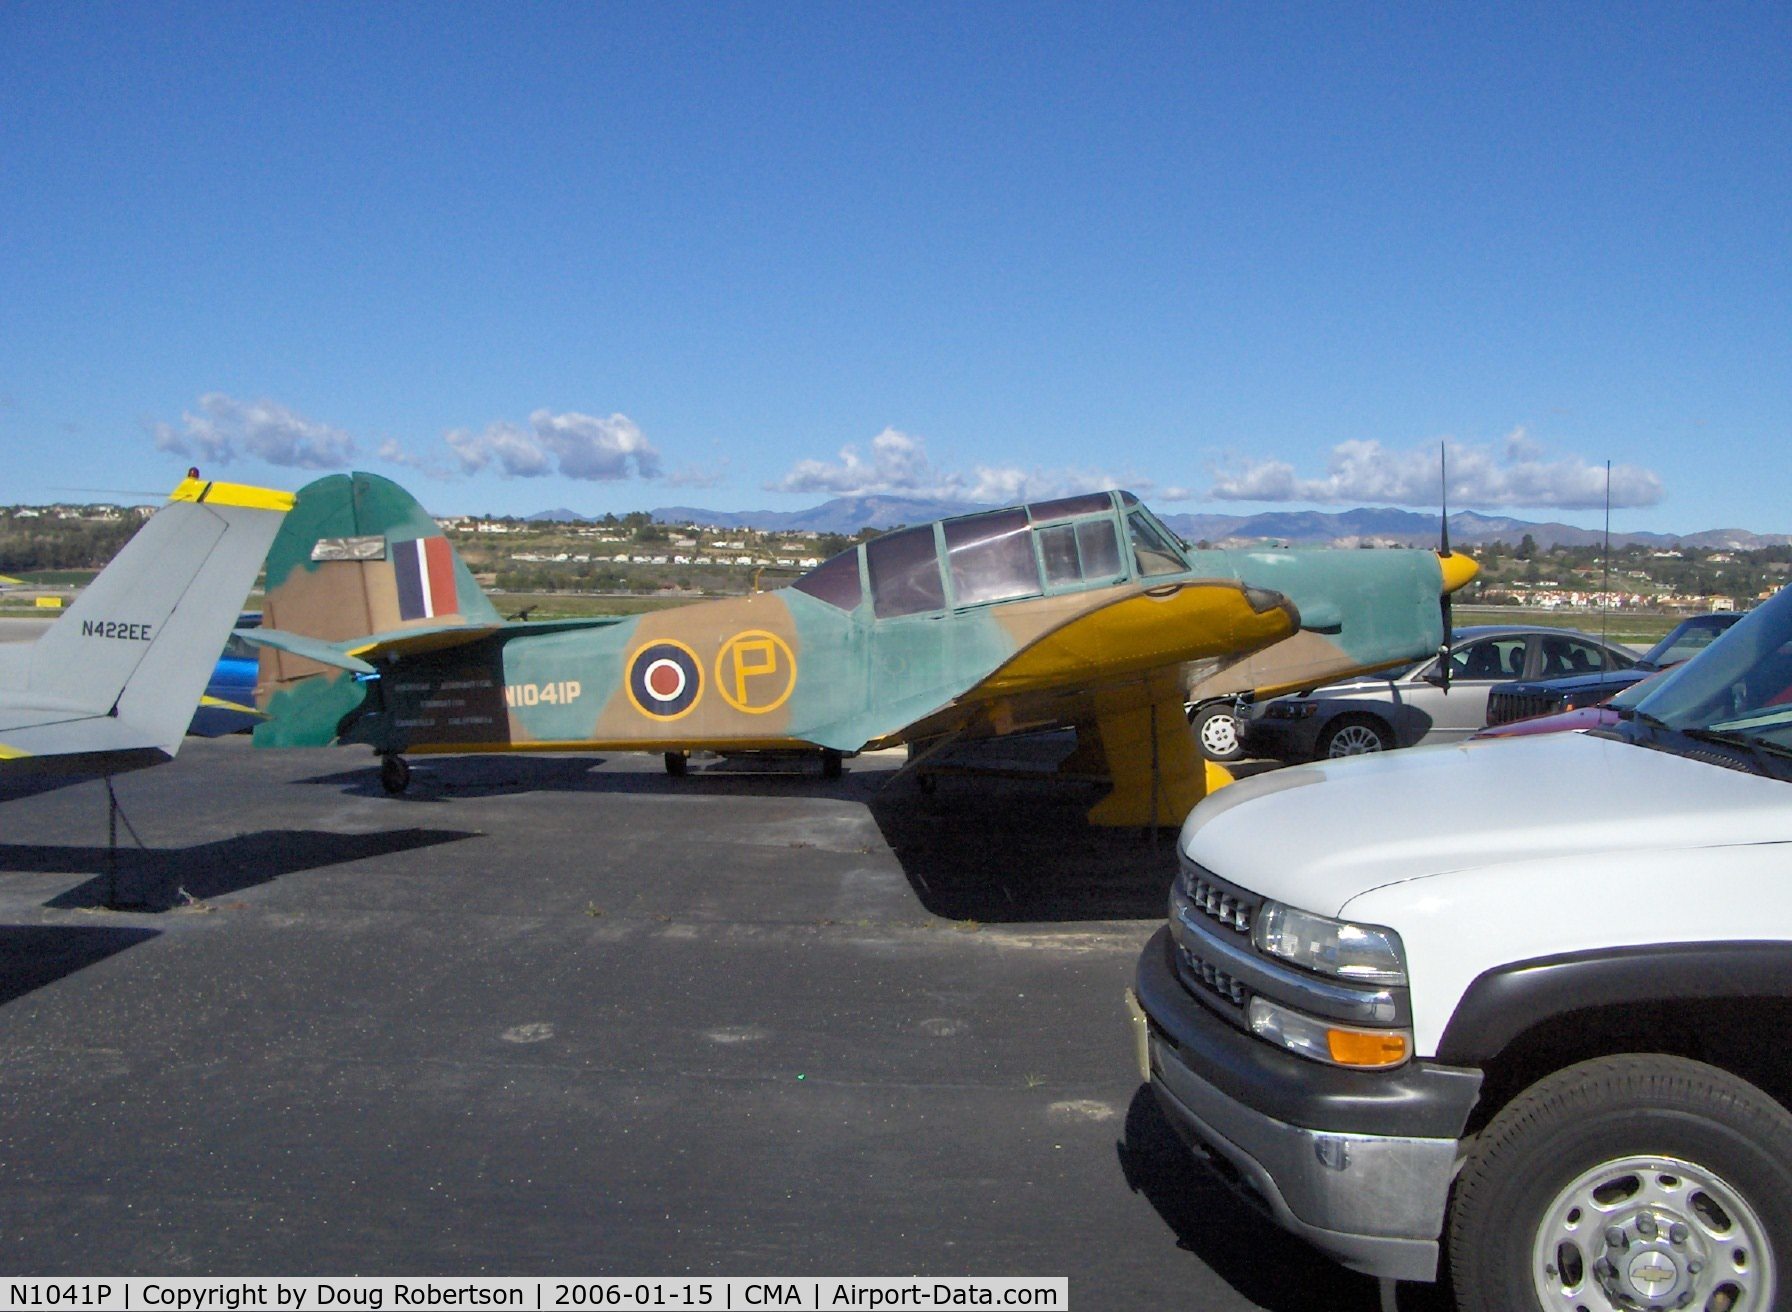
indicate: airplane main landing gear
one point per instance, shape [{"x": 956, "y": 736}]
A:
[
  {"x": 830, "y": 763},
  {"x": 676, "y": 764},
  {"x": 395, "y": 773}
]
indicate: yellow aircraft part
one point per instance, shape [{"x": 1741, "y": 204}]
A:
[
  {"x": 11, "y": 753},
  {"x": 1150, "y": 755},
  {"x": 219, "y": 703},
  {"x": 1142, "y": 633},
  {"x": 232, "y": 494},
  {"x": 1458, "y": 569}
]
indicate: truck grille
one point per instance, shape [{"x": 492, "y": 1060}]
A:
[
  {"x": 1228, "y": 907},
  {"x": 1505, "y": 707},
  {"x": 1202, "y": 975}
]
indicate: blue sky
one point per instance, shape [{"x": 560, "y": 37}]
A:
[{"x": 619, "y": 256}]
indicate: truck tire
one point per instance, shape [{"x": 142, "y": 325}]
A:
[
  {"x": 1216, "y": 727},
  {"x": 1354, "y": 735},
  {"x": 1638, "y": 1181}
]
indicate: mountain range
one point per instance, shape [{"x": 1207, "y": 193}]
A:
[{"x": 1383, "y": 526}]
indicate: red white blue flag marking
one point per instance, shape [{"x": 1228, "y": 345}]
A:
[{"x": 425, "y": 570}]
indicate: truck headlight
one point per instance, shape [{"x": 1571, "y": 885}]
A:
[
  {"x": 1328, "y": 1041},
  {"x": 1370, "y": 954}
]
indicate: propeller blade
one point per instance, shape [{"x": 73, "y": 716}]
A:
[{"x": 1443, "y": 552}]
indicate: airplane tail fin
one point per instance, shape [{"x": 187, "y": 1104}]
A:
[
  {"x": 357, "y": 559},
  {"x": 140, "y": 641}
]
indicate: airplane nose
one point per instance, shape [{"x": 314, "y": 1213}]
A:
[{"x": 1458, "y": 569}]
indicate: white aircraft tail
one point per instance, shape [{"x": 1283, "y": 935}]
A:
[{"x": 139, "y": 643}]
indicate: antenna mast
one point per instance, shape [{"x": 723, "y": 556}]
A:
[{"x": 1605, "y": 584}]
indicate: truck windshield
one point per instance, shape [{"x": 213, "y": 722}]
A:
[{"x": 1739, "y": 687}]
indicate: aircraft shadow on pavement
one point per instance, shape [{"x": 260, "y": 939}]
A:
[
  {"x": 502, "y": 774},
  {"x": 1006, "y": 850},
  {"x": 32, "y": 956},
  {"x": 1238, "y": 1241},
  {"x": 986, "y": 848},
  {"x": 161, "y": 879}
]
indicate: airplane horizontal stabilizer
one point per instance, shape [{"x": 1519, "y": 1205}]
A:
[{"x": 312, "y": 649}]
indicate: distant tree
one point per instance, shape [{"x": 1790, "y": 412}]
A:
[{"x": 1527, "y": 548}]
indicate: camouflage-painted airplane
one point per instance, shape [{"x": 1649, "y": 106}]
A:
[
  {"x": 1080, "y": 611},
  {"x": 112, "y": 684}
]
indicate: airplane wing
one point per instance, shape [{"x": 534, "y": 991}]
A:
[
  {"x": 112, "y": 684},
  {"x": 1113, "y": 673}
]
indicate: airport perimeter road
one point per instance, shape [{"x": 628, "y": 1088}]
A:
[{"x": 557, "y": 1015}]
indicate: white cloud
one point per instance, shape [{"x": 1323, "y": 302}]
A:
[
  {"x": 394, "y": 452},
  {"x": 224, "y": 430},
  {"x": 571, "y": 444},
  {"x": 1517, "y": 474},
  {"x": 898, "y": 465}
]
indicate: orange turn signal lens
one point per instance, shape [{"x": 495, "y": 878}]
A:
[{"x": 1366, "y": 1048}]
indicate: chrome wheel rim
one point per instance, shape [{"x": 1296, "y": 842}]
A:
[
  {"x": 1219, "y": 734},
  {"x": 1652, "y": 1232},
  {"x": 1355, "y": 740}
]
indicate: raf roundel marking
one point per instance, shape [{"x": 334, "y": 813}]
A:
[{"x": 665, "y": 680}]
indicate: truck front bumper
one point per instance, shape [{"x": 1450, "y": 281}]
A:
[{"x": 1357, "y": 1163}]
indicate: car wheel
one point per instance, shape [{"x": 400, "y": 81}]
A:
[
  {"x": 1216, "y": 731},
  {"x": 1633, "y": 1182},
  {"x": 1355, "y": 735}
]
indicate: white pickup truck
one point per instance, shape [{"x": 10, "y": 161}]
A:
[{"x": 1520, "y": 1004}]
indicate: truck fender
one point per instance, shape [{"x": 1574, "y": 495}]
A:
[{"x": 1502, "y": 1003}]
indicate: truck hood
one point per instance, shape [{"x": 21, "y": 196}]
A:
[
  {"x": 1317, "y": 836},
  {"x": 1578, "y": 685}
]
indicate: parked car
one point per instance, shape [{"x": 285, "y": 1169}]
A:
[
  {"x": 1512, "y": 1013},
  {"x": 1518, "y": 701},
  {"x": 1579, "y": 719},
  {"x": 229, "y": 702},
  {"x": 1377, "y": 714}
]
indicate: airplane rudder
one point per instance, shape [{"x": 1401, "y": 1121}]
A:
[{"x": 359, "y": 555}]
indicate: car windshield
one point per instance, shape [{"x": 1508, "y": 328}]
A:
[
  {"x": 1738, "y": 688},
  {"x": 1687, "y": 639}
]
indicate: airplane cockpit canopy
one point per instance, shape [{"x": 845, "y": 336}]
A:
[{"x": 1064, "y": 545}]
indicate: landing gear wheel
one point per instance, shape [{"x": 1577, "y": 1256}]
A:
[
  {"x": 830, "y": 763},
  {"x": 1355, "y": 735},
  {"x": 1627, "y": 1182},
  {"x": 676, "y": 764},
  {"x": 395, "y": 774},
  {"x": 1216, "y": 727}
]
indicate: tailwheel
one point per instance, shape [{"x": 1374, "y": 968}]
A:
[
  {"x": 395, "y": 773},
  {"x": 676, "y": 764}
]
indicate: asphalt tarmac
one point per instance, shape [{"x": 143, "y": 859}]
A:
[{"x": 566, "y": 1015}]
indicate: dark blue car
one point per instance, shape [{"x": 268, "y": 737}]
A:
[
  {"x": 229, "y": 704},
  {"x": 1521, "y": 701}
]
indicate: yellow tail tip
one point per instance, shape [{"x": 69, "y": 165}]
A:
[{"x": 193, "y": 488}]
